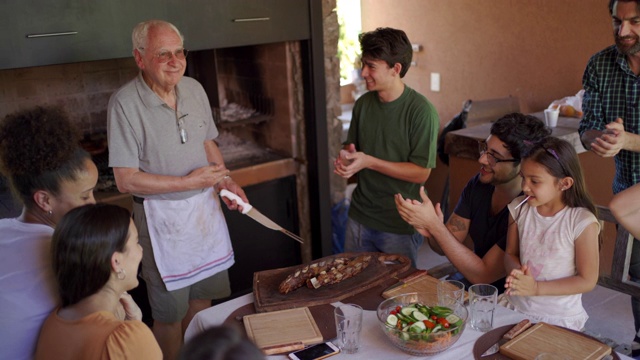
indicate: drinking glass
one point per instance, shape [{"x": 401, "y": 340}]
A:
[
  {"x": 453, "y": 289},
  {"x": 482, "y": 304},
  {"x": 348, "y": 325},
  {"x": 551, "y": 117}
]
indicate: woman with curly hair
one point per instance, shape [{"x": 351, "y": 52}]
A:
[{"x": 50, "y": 174}]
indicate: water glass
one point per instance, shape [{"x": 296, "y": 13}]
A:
[
  {"x": 450, "y": 289},
  {"x": 348, "y": 325},
  {"x": 482, "y": 304}
]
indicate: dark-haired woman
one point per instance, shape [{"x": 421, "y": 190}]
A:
[
  {"x": 95, "y": 254},
  {"x": 50, "y": 174}
]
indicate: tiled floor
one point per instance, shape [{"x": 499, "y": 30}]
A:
[{"x": 609, "y": 311}]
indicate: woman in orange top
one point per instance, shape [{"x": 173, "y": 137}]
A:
[{"x": 96, "y": 255}]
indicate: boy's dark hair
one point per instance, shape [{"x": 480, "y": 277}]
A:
[
  {"x": 82, "y": 245},
  {"x": 518, "y": 132},
  {"x": 387, "y": 44},
  {"x": 38, "y": 150}
]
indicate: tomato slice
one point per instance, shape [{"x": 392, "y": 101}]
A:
[{"x": 429, "y": 324}]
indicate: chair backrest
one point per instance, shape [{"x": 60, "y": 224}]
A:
[
  {"x": 618, "y": 277},
  {"x": 484, "y": 111}
]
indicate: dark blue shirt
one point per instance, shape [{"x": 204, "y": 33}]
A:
[{"x": 485, "y": 229}]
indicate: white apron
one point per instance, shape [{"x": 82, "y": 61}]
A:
[{"x": 190, "y": 238}]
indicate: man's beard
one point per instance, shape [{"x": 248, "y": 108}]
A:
[
  {"x": 626, "y": 49},
  {"x": 503, "y": 178}
]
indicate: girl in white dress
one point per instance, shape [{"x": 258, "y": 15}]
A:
[{"x": 552, "y": 242}]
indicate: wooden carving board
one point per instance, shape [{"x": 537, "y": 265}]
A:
[
  {"x": 280, "y": 329},
  {"x": 266, "y": 283},
  {"x": 543, "y": 337},
  {"x": 423, "y": 283}
]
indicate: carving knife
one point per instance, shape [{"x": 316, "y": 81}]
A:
[
  {"x": 256, "y": 215},
  {"x": 512, "y": 333}
]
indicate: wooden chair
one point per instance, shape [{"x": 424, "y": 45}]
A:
[{"x": 618, "y": 277}]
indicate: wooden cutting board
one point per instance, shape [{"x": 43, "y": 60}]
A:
[
  {"x": 279, "y": 331},
  {"x": 544, "y": 337},
  {"x": 266, "y": 283},
  {"x": 421, "y": 283}
]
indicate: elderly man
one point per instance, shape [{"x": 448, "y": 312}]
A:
[
  {"x": 611, "y": 123},
  {"x": 161, "y": 148},
  {"x": 481, "y": 212}
]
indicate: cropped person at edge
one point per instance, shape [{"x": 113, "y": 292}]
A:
[
  {"x": 610, "y": 126},
  {"x": 481, "y": 212},
  {"x": 50, "y": 175},
  {"x": 161, "y": 147},
  {"x": 391, "y": 146}
]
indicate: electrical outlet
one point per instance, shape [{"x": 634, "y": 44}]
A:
[
  {"x": 435, "y": 82},
  {"x": 416, "y": 47}
]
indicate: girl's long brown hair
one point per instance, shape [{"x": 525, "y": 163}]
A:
[{"x": 561, "y": 160}]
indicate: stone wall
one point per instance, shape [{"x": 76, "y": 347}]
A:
[
  {"x": 332, "y": 72},
  {"x": 81, "y": 89}
]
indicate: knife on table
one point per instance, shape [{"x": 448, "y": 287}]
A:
[
  {"x": 256, "y": 215},
  {"x": 512, "y": 333}
]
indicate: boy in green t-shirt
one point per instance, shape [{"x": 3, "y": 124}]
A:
[{"x": 391, "y": 145}]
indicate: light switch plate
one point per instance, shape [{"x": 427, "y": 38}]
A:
[{"x": 435, "y": 82}]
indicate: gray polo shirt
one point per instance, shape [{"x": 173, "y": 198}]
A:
[{"x": 143, "y": 131}]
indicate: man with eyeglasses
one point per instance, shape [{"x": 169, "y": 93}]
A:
[
  {"x": 161, "y": 148},
  {"x": 481, "y": 212}
]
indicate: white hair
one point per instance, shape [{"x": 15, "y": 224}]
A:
[{"x": 141, "y": 31}]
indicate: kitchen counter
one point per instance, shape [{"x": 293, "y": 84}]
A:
[{"x": 259, "y": 173}]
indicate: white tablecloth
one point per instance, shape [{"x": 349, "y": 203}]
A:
[{"x": 374, "y": 344}]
